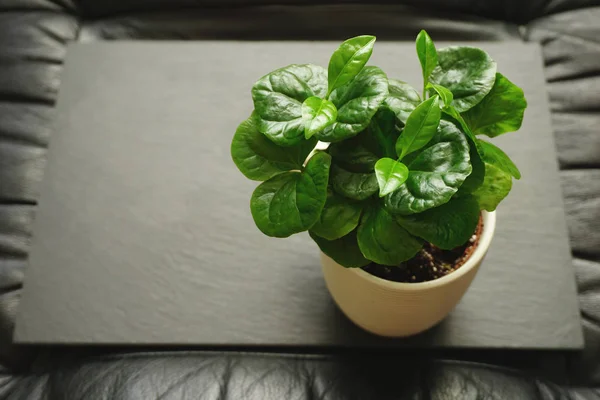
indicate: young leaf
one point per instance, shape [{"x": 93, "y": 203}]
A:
[
  {"x": 453, "y": 112},
  {"x": 500, "y": 111},
  {"x": 447, "y": 226},
  {"x": 278, "y": 99},
  {"x": 435, "y": 174},
  {"x": 317, "y": 114},
  {"x": 356, "y": 102},
  {"x": 390, "y": 175},
  {"x": 348, "y": 60},
  {"x": 444, "y": 93},
  {"x": 496, "y": 186},
  {"x": 468, "y": 72},
  {"x": 420, "y": 127},
  {"x": 356, "y": 186},
  {"x": 402, "y": 100},
  {"x": 496, "y": 157},
  {"x": 338, "y": 218},
  {"x": 343, "y": 251},
  {"x": 383, "y": 241},
  {"x": 260, "y": 159},
  {"x": 292, "y": 202},
  {"x": 427, "y": 55}
]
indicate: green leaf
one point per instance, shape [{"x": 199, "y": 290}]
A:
[
  {"x": 356, "y": 102},
  {"x": 383, "y": 241},
  {"x": 444, "y": 93},
  {"x": 348, "y": 60},
  {"x": 468, "y": 72},
  {"x": 361, "y": 152},
  {"x": 292, "y": 202},
  {"x": 381, "y": 135},
  {"x": 427, "y": 55},
  {"x": 447, "y": 226},
  {"x": 475, "y": 179},
  {"x": 420, "y": 127},
  {"x": 259, "y": 159},
  {"x": 435, "y": 174},
  {"x": 402, "y": 99},
  {"x": 496, "y": 186},
  {"x": 496, "y": 157},
  {"x": 390, "y": 175},
  {"x": 317, "y": 114},
  {"x": 456, "y": 117},
  {"x": 343, "y": 251},
  {"x": 278, "y": 99},
  {"x": 338, "y": 218},
  {"x": 500, "y": 111},
  {"x": 353, "y": 185},
  {"x": 353, "y": 155}
]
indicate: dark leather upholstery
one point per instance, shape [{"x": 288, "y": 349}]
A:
[
  {"x": 278, "y": 377},
  {"x": 33, "y": 36}
]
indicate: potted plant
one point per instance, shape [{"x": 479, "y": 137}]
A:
[{"x": 401, "y": 201}]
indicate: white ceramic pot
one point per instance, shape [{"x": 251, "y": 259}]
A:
[{"x": 397, "y": 309}]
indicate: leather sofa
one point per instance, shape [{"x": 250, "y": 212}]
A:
[{"x": 33, "y": 39}]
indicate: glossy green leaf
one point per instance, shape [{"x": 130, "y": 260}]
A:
[
  {"x": 447, "y": 226},
  {"x": 356, "y": 102},
  {"x": 292, "y": 202},
  {"x": 500, "y": 111},
  {"x": 353, "y": 155},
  {"x": 360, "y": 153},
  {"x": 383, "y": 241},
  {"x": 435, "y": 174},
  {"x": 402, "y": 99},
  {"x": 496, "y": 157},
  {"x": 339, "y": 217},
  {"x": 317, "y": 114},
  {"x": 468, "y": 72},
  {"x": 343, "y": 251},
  {"x": 278, "y": 99},
  {"x": 348, "y": 60},
  {"x": 444, "y": 93},
  {"x": 420, "y": 127},
  {"x": 456, "y": 117},
  {"x": 259, "y": 159},
  {"x": 353, "y": 185},
  {"x": 496, "y": 186},
  {"x": 382, "y": 134},
  {"x": 475, "y": 179},
  {"x": 427, "y": 55},
  {"x": 390, "y": 175}
]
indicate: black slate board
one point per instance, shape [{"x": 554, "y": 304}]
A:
[{"x": 144, "y": 233}]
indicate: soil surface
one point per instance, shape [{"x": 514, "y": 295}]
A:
[{"x": 429, "y": 263}]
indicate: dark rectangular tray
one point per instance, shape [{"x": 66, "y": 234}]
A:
[{"x": 144, "y": 234}]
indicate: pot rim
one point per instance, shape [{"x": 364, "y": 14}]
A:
[{"x": 489, "y": 225}]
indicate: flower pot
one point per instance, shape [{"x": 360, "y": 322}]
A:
[{"x": 397, "y": 309}]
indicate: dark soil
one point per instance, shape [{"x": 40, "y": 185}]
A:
[{"x": 430, "y": 262}]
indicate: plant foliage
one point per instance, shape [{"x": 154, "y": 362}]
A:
[{"x": 402, "y": 167}]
